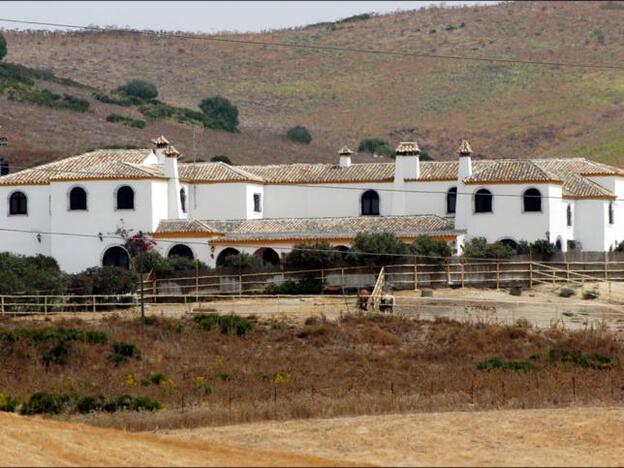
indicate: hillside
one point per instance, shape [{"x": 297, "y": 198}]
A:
[{"x": 506, "y": 110}]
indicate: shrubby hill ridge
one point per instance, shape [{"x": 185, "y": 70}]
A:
[{"x": 506, "y": 110}]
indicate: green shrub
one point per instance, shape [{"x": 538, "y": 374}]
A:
[
  {"x": 96, "y": 337},
  {"x": 103, "y": 281},
  {"x": 354, "y": 18},
  {"x": 45, "y": 97},
  {"x": 313, "y": 255},
  {"x": 243, "y": 260},
  {"x": 58, "y": 354},
  {"x": 377, "y": 248},
  {"x": 29, "y": 275},
  {"x": 46, "y": 403},
  {"x": 3, "y": 47},
  {"x": 221, "y": 158},
  {"x": 89, "y": 404},
  {"x": 303, "y": 286},
  {"x": 620, "y": 247},
  {"x": 122, "y": 352},
  {"x": 228, "y": 324},
  {"x": 132, "y": 403},
  {"x": 140, "y": 89},
  {"x": 126, "y": 120},
  {"x": 495, "y": 363},
  {"x": 299, "y": 134},
  {"x": 124, "y": 101},
  {"x": 591, "y": 294},
  {"x": 566, "y": 292},
  {"x": 8, "y": 404},
  {"x": 579, "y": 359},
  {"x": 375, "y": 146},
  {"x": 219, "y": 113},
  {"x": 427, "y": 247},
  {"x": 479, "y": 248}
]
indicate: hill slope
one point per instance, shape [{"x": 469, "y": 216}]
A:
[{"x": 506, "y": 110}]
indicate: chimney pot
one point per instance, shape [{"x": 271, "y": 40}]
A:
[
  {"x": 407, "y": 148},
  {"x": 345, "y": 156},
  {"x": 464, "y": 148},
  {"x": 161, "y": 142}
]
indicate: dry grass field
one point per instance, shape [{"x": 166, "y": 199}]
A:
[
  {"x": 506, "y": 110},
  {"x": 579, "y": 436}
]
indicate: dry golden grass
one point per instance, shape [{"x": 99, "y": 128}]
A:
[
  {"x": 506, "y": 110},
  {"x": 357, "y": 365}
]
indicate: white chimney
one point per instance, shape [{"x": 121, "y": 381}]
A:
[
  {"x": 168, "y": 156},
  {"x": 465, "y": 161},
  {"x": 407, "y": 161},
  {"x": 345, "y": 156}
]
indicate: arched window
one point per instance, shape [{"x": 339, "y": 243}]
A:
[
  {"x": 181, "y": 250},
  {"x": 370, "y": 203},
  {"x": 77, "y": 199},
  {"x": 116, "y": 256},
  {"x": 225, "y": 253},
  {"x": 483, "y": 201},
  {"x": 451, "y": 200},
  {"x": 509, "y": 243},
  {"x": 569, "y": 216},
  {"x": 611, "y": 214},
  {"x": 183, "y": 200},
  {"x": 18, "y": 203},
  {"x": 532, "y": 200},
  {"x": 268, "y": 255},
  {"x": 125, "y": 198}
]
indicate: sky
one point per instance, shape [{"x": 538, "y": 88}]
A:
[{"x": 208, "y": 17}]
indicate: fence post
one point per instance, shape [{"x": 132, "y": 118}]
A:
[
  {"x": 463, "y": 272},
  {"x": 196, "y": 280},
  {"x": 2, "y": 303},
  {"x": 415, "y": 276},
  {"x": 342, "y": 276},
  {"x": 45, "y": 305},
  {"x": 497, "y": 275},
  {"x": 606, "y": 266},
  {"x": 240, "y": 285},
  {"x": 530, "y": 275},
  {"x": 93, "y": 300},
  {"x": 448, "y": 273}
]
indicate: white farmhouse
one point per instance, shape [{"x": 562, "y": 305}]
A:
[{"x": 72, "y": 209}]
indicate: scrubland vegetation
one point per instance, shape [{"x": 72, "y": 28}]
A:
[{"x": 214, "y": 370}]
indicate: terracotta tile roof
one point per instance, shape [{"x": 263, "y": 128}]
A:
[
  {"x": 510, "y": 170},
  {"x": 579, "y": 166},
  {"x": 316, "y": 228},
  {"x": 184, "y": 225},
  {"x": 77, "y": 167},
  {"x": 322, "y": 173},
  {"x": 215, "y": 172},
  {"x": 113, "y": 170}
]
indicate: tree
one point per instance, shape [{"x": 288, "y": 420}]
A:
[
  {"x": 375, "y": 145},
  {"x": 219, "y": 113},
  {"x": 221, "y": 158},
  {"x": 3, "y": 47},
  {"x": 312, "y": 255},
  {"x": 479, "y": 248},
  {"x": 377, "y": 248},
  {"x": 299, "y": 134},
  {"x": 425, "y": 246},
  {"x": 620, "y": 247},
  {"x": 140, "y": 89}
]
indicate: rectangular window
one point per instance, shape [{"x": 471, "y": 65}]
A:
[{"x": 257, "y": 203}]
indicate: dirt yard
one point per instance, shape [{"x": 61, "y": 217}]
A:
[{"x": 560, "y": 437}]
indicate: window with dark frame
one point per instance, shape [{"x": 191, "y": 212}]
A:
[
  {"x": 451, "y": 200},
  {"x": 569, "y": 216},
  {"x": 483, "y": 201},
  {"x": 532, "y": 200},
  {"x": 370, "y": 203},
  {"x": 125, "y": 198},
  {"x": 183, "y": 200},
  {"x": 77, "y": 199},
  {"x": 611, "y": 214},
  {"x": 257, "y": 203},
  {"x": 18, "y": 203}
]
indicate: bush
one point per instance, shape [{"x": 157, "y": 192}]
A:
[
  {"x": 425, "y": 246},
  {"x": 3, "y": 47},
  {"x": 104, "y": 280},
  {"x": 490, "y": 364},
  {"x": 566, "y": 292},
  {"x": 299, "y": 134},
  {"x": 140, "y": 89},
  {"x": 479, "y": 248},
  {"x": 221, "y": 158},
  {"x": 89, "y": 404},
  {"x": 620, "y": 247},
  {"x": 124, "y": 101},
  {"x": 132, "y": 403},
  {"x": 58, "y": 354},
  {"x": 46, "y": 403},
  {"x": 373, "y": 248},
  {"x": 122, "y": 352},
  {"x": 542, "y": 247},
  {"x": 96, "y": 337},
  {"x": 591, "y": 294},
  {"x": 579, "y": 359},
  {"x": 243, "y": 260},
  {"x": 126, "y": 120},
  {"x": 151, "y": 261},
  {"x": 313, "y": 255},
  {"x": 375, "y": 145},
  {"x": 8, "y": 404},
  {"x": 219, "y": 113},
  {"x": 303, "y": 286},
  {"x": 230, "y": 323},
  {"x": 45, "y": 97},
  {"x": 28, "y": 275}
]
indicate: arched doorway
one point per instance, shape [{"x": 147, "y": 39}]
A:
[
  {"x": 268, "y": 255},
  {"x": 116, "y": 256},
  {"x": 509, "y": 243},
  {"x": 343, "y": 249},
  {"x": 225, "y": 253},
  {"x": 181, "y": 250}
]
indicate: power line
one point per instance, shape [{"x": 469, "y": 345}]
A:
[{"x": 328, "y": 48}]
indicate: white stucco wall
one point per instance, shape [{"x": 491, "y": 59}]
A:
[
  {"x": 224, "y": 201},
  {"x": 590, "y": 224}
]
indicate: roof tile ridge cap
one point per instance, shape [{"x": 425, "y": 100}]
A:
[
  {"x": 241, "y": 172},
  {"x": 550, "y": 175},
  {"x": 595, "y": 184}
]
